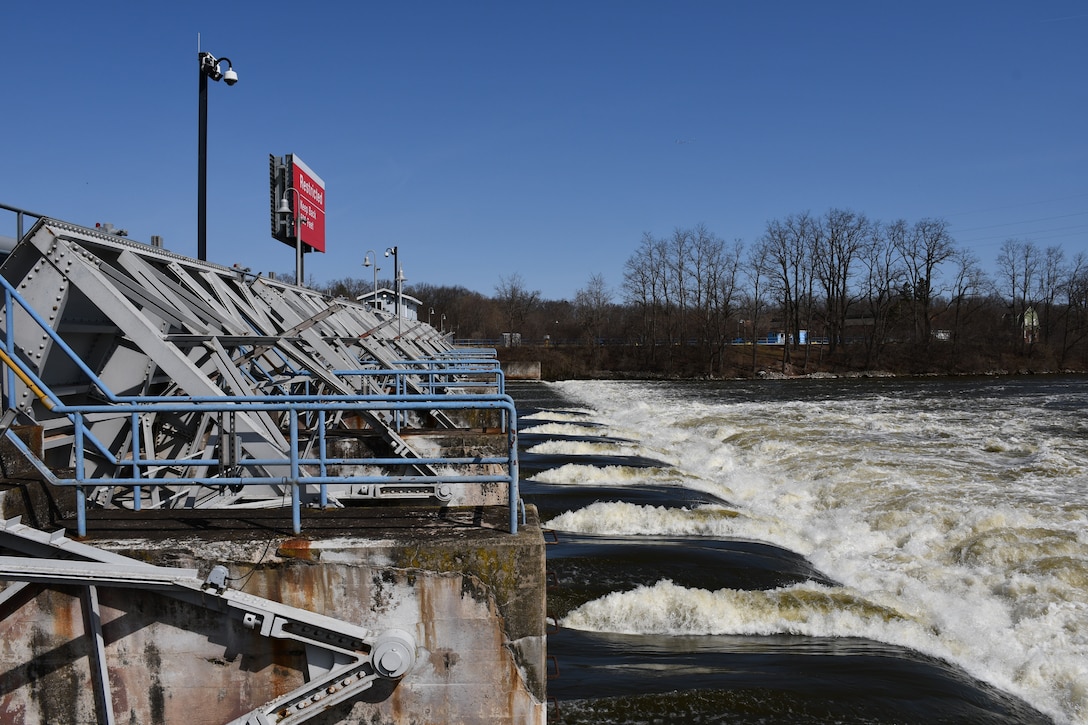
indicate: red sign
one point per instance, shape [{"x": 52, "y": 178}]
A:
[{"x": 308, "y": 203}]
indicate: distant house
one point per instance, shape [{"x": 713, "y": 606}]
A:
[
  {"x": 385, "y": 300},
  {"x": 1031, "y": 326}
]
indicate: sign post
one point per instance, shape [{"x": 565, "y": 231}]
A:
[{"x": 297, "y": 221}]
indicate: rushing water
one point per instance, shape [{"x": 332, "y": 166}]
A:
[{"x": 815, "y": 550}]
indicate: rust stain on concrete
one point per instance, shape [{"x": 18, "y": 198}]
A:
[{"x": 299, "y": 548}]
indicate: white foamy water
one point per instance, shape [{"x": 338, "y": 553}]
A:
[
  {"x": 553, "y": 428},
  {"x": 954, "y": 515},
  {"x": 583, "y": 448}
]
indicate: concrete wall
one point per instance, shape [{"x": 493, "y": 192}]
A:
[
  {"x": 471, "y": 594},
  {"x": 522, "y": 370}
]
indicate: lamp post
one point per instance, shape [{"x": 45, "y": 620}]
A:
[
  {"x": 398, "y": 283},
  {"x": 368, "y": 263},
  {"x": 299, "y": 220},
  {"x": 209, "y": 68},
  {"x": 400, "y": 300},
  {"x": 396, "y": 277}
]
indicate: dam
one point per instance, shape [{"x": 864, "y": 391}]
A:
[{"x": 226, "y": 498}]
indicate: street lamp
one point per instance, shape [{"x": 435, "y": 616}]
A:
[
  {"x": 396, "y": 278},
  {"x": 299, "y": 220},
  {"x": 368, "y": 263},
  {"x": 209, "y": 68},
  {"x": 398, "y": 283}
]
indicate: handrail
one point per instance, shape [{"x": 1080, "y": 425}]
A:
[
  {"x": 434, "y": 375},
  {"x": 295, "y": 461},
  {"x": 472, "y": 351},
  {"x": 465, "y": 364},
  {"x": 295, "y": 406}
]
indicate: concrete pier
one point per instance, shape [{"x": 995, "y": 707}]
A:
[{"x": 471, "y": 594}]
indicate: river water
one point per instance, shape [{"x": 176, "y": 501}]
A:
[{"x": 877, "y": 551}]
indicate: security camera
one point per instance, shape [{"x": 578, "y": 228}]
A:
[{"x": 230, "y": 77}]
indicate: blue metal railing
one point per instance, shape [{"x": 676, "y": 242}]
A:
[
  {"x": 430, "y": 378},
  {"x": 435, "y": 376},
  {"x": 459, "y": 370},
  {"x": 301, "y": 470}
]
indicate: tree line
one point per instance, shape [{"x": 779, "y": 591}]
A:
[{"x": 831, "y": 291}]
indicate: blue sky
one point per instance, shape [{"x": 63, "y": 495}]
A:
[{"x": 544, "y": 139}]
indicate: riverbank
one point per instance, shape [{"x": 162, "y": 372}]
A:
[{"x": 742, "y": 362}]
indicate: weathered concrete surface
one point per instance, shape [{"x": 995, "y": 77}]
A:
[
  {"x": 522, "y": 369},
  {"x": 471, "y": 593}
]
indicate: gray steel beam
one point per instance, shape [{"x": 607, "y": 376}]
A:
[{"x": 149, "y": 322}]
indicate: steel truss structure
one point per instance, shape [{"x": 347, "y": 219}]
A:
[{"x": 159, "y": 381}]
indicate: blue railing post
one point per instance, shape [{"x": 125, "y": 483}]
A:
[
  {"x": 135, "y": 422},
  {"x": 81, "y": 495},
  {"x": 296, "y": 513},
  {"x": 323, "y": 456},
  {"x": 512, "y": 453},
  {"x": 296, "y": 509},
  {"x": 9, "y": 348}
]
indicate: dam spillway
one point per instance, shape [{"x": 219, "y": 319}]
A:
[{"x": 227, "y": 498}]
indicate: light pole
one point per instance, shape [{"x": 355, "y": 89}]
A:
[
  {"x": 398, "y": 282},
  {"x": 430, "y": 314},
  {"x": 396, "y": 278},
  {"x": 371, "y": 254},
  {"x": 299, "y": 220},
  {"x": 400, "y": 300},
  {"x": 209, "y": 68}
]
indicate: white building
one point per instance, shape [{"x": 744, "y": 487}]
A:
[{"x": 385, "y": 300}]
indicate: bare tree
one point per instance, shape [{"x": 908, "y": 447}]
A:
[
  {"x": 789, "y": 247},
  {"x": 592, "y": 305},
  {"x": 713, "y": 290},
  {"x": 516, "y": 299},
  {"x": 1052, "y": 271},
  {"x": 1018, "y": 265},
  {"x": 678, "y": 282},
  {"x": 839, "y": 242},
  {"x": 756, "y": 268},
  {"x": 726, "y": 293},
  {"x": 645, "y": 288},
  {"x": 347, "y": 287},
  {"x": 967, "y": 296},
  {"x": 1075, "y": 295},
  {"x": 880, "y": 283},
  {"x": 922, "y": 247}
]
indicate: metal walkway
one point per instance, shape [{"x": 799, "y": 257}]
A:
[{"x": 159, "y": 381}]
